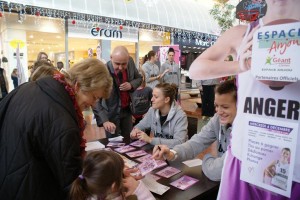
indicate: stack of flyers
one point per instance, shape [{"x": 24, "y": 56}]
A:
[
  {"x": 124, "y": 149},
  {"x": 138, "y": 153},
  {"x": 147, "y": 166},
  {"x": 144, "y": 158},
  {"x": 138, "y": 143},
  {"x": 168, "y": 172},
  {"x": 115, "y": 144},
  {"x": 184, "y": 182}
]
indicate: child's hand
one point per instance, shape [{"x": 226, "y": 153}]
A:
[
  {"x": 133, "y": 172},
  {"x": 130, "y": 184}
]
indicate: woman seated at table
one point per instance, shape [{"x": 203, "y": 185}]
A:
[
  {"x": 217, "y": 129},
  {"x": 165, "y": 119}
]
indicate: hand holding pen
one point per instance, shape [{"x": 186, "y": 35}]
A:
[{"x": 162, "y": 152}]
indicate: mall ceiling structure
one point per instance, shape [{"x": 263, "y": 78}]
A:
[
  {"x": 177, "y": 16},
  {"x": 167, "y": 15}
]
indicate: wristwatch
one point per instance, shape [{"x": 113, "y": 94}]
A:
[{"x": 175, "y": 154}]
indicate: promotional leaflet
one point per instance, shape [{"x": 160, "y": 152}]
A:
[{"x": 269, "y": 152}]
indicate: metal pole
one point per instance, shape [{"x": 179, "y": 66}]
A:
[{"x": 67, "y": 43}]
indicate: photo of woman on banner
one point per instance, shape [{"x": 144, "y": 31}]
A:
[
  {"x": 278, "y": 170},
  {"x": 266, "y": 60}
]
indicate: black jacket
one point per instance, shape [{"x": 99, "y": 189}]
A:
[
  {"x": 39, "y": 142},
  {"x": 109, "y": 109}
]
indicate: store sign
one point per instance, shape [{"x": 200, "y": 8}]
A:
[
  {"x": 194, "y": 43},
  {"x": 199, "y": 42},
  {"x": 106, "y": 33},
  {"x": 102, "y": 31}
]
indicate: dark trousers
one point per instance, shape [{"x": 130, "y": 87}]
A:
[
  {"x": 208, "y": 100},
  {"x": 123, "y": 126}
]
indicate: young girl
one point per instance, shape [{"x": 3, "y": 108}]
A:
[
  {"x": 141, "y": 100},
  {"x": 167, "y": 121},
  {"x": 102, "y": 178}
]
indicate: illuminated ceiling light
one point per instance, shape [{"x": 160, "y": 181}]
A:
[
  {"x": 30, "y": 36},
  {"x": 58, "y": 37}
]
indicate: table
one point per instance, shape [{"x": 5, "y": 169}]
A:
[{"x": 204, "y": 189}]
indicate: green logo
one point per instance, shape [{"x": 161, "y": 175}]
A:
[{"x": 268, "y": 60}]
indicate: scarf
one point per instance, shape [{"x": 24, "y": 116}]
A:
[{"x": 61, "y": 79}]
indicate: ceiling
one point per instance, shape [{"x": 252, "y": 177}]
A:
[
  {"x": 48, "y": 34},
  {"x": 184, "y": 14}
]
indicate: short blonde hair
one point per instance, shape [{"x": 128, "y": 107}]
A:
[
  {"x": 91, "y": 74},
  {"x": 42, "y": 71}
]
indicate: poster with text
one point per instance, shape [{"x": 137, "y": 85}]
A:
[
  {"x": 275, "y": 53},
  {"x": 269, "y": 154}
]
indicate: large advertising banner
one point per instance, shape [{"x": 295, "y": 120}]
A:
[
  {"x": 162, "y": 53},
  {"x": 269, "y": 146}
]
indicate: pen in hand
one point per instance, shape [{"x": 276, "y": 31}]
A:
[{"x": 163, "y": 155}]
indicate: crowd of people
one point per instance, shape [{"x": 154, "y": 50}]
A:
[{"x": 42, "y": 151}]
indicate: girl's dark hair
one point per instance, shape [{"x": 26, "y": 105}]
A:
[
  {"x": 149, "y": 55},
  {"x": 101, "y": 169},
  {"x": 227, "y": 87},
  {"x": 168, "y": 90}
]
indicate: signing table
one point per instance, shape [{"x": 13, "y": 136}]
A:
[{"x": 203, "y": 189}]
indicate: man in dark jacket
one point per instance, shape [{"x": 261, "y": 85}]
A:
[
  {"x": 114, "y": 113},
  {"x": 39, "y": 149}
]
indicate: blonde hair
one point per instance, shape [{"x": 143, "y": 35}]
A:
[
  {"x": 91, "y": 74},
  {"x": 42, "y": 71},
  {"x": 168, "y": 90},
  {"x": 47, "y": 69},
  {"x": 142, "y": 73}
]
